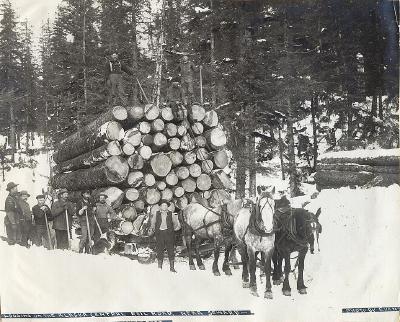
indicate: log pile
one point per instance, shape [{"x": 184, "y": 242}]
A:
[
  {"x": 143, "y": 155},
  {"x": 365, "y": 168}
]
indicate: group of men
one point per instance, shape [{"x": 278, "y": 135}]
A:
[{"x": 52, "y": 226}]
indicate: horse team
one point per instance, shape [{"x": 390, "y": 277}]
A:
[{"x": 269, "y": 226}]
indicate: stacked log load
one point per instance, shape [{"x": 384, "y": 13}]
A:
[
  {"x": 141, "y": 156},
  {"x": 365, "y": 168}
]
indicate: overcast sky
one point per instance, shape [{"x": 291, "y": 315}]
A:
[{"x": 36, "y": 11}]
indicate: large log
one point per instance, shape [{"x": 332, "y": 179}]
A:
[
  {"x": 202, "y": 154},
  {"x": 149, "y": 180},
  {"x": 216, "y": 138},
  {"x": 167, "y": 194},
  {"x": 221, "y": 159},
  {"x": 161, "y": 165},
  {"x": 136, "y": 162},
  {"x": 157, "y": 125},
  {"x": 187, "y": 143},
  {"x": 112, "y": 171},
  {"x": 332, "y": 178},
  {"x": 107, "y": 132},
  {"x": 90, "y": 158},
  {"x": 161, "y": 185},
  {"x": 128, "y": 149},
  {"x": 136, "y": 113},
  {"x": 170, "y": 130},
  {"x": 207, "y": 166},
  {"x": 166, "y": 114},
  {"x": 174, "y": 144},
  {"x": 145, "y": 152},
  {"x": 197, "y": 128},
  {"x": 116, "y": 113},
  {"x": 128, "y": 212},
  {"x": 210, "y": 119},
  {"x": 144, "y": 127},
  {"x": 178, "y": 191},
  {"x": 181, "y": 130},
  {"x": 189, "y": 185},
  {"x": 171, "y": 179},
  {"x": 132, "y": 136},
  {"x": 358, "y": 167},
  {"x": 151, "y": 112},
  {"x": 152, "y": 196},
  {"x": 220, "y": 180},
  {"x": 176, "y": 158},
  {"x": 200, "y": 141},
  {"x": 195, "y": 170},
  {"x": 147, "y": 139},
  {"x": 159, "y": 142},
  {"x": 139, "y": 205},
  {"x": 196, "y": 113},
  {"x": 182, "y": 172},
  {"x": 135, "y": 179},
  {"x": 189, "y": 157},
  {"x": 132, "y": 194},
  {"x": 203, "y": 182},
  {"x": 390, "y": 157},
  {"x": 115, "y": 196}
]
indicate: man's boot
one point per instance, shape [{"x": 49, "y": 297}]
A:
[
  {"x": 160, "y": 262},
  {"x": 172, "y": 266}
]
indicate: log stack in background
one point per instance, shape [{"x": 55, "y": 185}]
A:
[{"x": 143, "y": 155}]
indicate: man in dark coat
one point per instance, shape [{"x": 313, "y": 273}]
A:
[
  {"x": 26, "y": 218},
  {"x": 85, "y": 210},
  {"x": 104, "y": 213},
  {"x": 40, "y": 212},
  {"x": 164, "y": 230},
  {"x": 13, "y": 213},
  {"x": 62, "y": 210},
  {"x": 114, "y": 81}
]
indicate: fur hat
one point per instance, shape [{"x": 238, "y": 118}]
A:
[{"x": 11, "y": 185}]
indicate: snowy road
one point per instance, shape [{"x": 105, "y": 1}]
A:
[{"x": 358, "y": 266}]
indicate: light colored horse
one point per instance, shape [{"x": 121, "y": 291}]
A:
[
  {"x": 256, "y": 235},
  {"x": 216, "y": 224}
]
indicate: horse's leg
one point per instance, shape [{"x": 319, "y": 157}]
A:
[
  {"x": 277, "y": 274},
  {"x": 252, "y": 269},
  {"x": 300, "y": 281},
  {"x": 245, "y": 260},
  {"x": 225, "y": 266},
  {"x": 262, "y": 268},
  {"x": 217, "y": 248},
  {"x": 233, "y": 258},
  {"x": 286, "y": 286},
  {"x": 267, "y": 268},
  {"x": 188, "y": 238},
  {"x": 198, "y": 257}
]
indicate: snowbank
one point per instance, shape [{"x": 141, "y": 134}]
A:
[
  {"x": 367, "y": 154},
  {"x": 358, "y": 266}
]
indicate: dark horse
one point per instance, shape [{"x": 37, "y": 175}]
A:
[{"x": 296, "y": 228}]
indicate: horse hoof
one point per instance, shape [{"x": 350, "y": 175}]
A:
[
  {"x": 192, "y": 267},
  {"x": 253, "y": 291},
  {"x": 276, "y": 282},
  {"x": 302, "y": 291},
  {"x": 268, "y": 295},
  {"x": 217, "y": 273},
  {"x": 202, "y": 267},
  {"x": 286, "y": 292},
  {"x": 228, "y": 272},
  {"x": 245, "y": 284}
]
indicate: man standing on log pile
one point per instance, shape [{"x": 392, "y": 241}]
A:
[
  {"x": 165, "y": 226},
  {"x": 62, "y": 210},
  {"x": 13, "y": 213},
  {"x": 40, "y": 212},
  {"x": 26, "y": 218},
  {"x": 103, "y": 215},
  {"x": 85, "y": 211},
  {"x": 114, "y": 81}
]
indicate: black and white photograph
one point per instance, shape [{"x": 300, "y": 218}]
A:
[{"x": 199, "y": 160}]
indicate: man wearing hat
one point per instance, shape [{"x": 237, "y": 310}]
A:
[
  {"x": 165, "y": 226},
  {"x": 40, "y": 212},
  {"x": 113, "y": 74},
  {"x": 62, "y": 211},
  {"x": 85, "y": 211},
  {"x": 26, "y": 218},
  {"x": 13, "y": 213},
  {"x": 103, "y": 214}
]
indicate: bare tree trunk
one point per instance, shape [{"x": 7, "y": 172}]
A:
[
  {"x": 349, "y": 117},
  {"x": 252, "y": 166},
  {"x": 281, "y": 151},
  {"x": 12, "y": 140},
  {"x": 213, "y": 64},
  {"x": 314, "y": 108},
  {"x": 380, "y": 105},
  {"x": 294, "y": 189},
  {"x": 134, "y": 53}
]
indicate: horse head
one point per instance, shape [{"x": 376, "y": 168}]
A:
[
  {"x": 266, "y": 209},
  {"x": 310, "y": 228}
]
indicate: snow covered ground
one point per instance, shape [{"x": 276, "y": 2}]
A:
[{"x": 358, "y": 266}]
